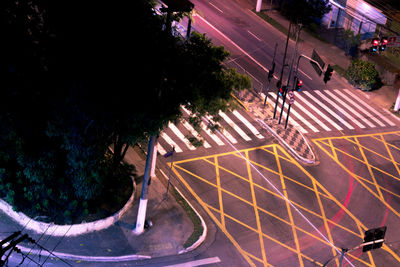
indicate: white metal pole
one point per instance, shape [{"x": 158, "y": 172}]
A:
[
  {"x": 397, "y": 104},
  {"x": 258, "y": 6},
  {"x": 141, "y": 216}
]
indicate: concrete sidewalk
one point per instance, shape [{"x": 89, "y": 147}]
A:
[{"x": 171, "y": 229}]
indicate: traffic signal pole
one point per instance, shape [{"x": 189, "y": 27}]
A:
[
  {"x": 290, "y": 73},
  {"x": 270, "y": 74},
  {"x": 283, "y": 67}
]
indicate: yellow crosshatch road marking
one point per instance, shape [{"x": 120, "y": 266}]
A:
[{"x": 251, "y": 200}]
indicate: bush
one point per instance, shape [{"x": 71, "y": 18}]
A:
[{"x": 362, "y": 74}]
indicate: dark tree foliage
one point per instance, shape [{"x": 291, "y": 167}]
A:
[
  {"x": 305, "y": 11},
  {"x": 81, "y": 76}
]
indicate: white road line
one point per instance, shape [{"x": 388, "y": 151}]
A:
[
  {"x": 329, "y": 110},
  {"x": 308, "y": 113},
  {"x": 170, "y": 142},
  {"x": 255, "y": 36},
  {"x": 248, "y": 124},
  {"x": 195, "y": 133},
  {"x": 391, "y": 114},
  {"x": 323, "y": 95},
  {"x": 180, "y": 135},
  {"x": 302, "y": 72},
  {"x": 224, "y": 131},
  {"x": 216, "y": 7},
  {"x": 160, "y": 149},
  {"x": 234, "y": 126},
  {"x": 197, "y": 262},
  {"x": 296, "y": 114},
  {"x": 291, "y": 120},
  {"x": 229, "y": 40},
  {"x": 370, "y": 108},
  {"x": 211, "y": 134},
  {"x": 370, "y": 124}
]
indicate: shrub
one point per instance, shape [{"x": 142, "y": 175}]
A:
[{"x": 363, "y": 75}]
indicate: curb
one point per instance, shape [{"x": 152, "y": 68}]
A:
[
  {"x": 284, "y": 143},
  {"x": 203, "y": 224},
  {"x": 66, "y": 230}
]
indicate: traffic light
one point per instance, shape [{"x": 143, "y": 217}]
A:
[
  {"x": 297, "y": 84},
  {"x": 375, "y": 44},
  {"x": 384, "y": 41},
  {"x": 374, "y": 235},
  {"x": 328, "y": 74},
  {"x": 271, "y": 72},
  {"x": 282, "y": 90}
]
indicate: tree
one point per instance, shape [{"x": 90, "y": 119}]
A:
[
  {"x": 363, "y": 75},
  {"x": 305, "y": 11},
  {"x": 81, "y": 77}
]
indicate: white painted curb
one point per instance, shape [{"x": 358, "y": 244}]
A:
[
  {"x": 308, "y": 161},
  {"x": 203, "y": 224},
  {"x": 65, "y": 230}
]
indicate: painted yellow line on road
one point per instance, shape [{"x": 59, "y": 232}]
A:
[
  {"x": 253, "y": 196},
  {"x": 369, "y": 169},
  {"x": 370, "y": 150},
  {"x": 221, "y": 206},
  {"x": 240, "y": 102},
  {"x": 286, "y": 177},
  {"x": 333, "y": 149},
  {"x": 360, "y": 160},
  {"x": 227, "y": 234},
  {"x": 288, "y": 208},
  {"x": 385, "y": 247},
  {"x": 327, "y": 229},
  {"x": 395, "y": 163},
  {"x": 337, "y": 202}
]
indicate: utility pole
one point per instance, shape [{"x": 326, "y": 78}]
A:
[
  {"x": 270, "y": 75},
  {"x": 141, "y": 216}
]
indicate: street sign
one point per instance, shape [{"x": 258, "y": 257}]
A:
[
  {"x": 291, "y": 97},
  {"x": 317, "y": 58}
]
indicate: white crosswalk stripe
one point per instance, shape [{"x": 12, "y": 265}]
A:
[
  {"x": 322, "y": 105},
  {"x": 348, "y": 99},
  {"x": 224, "y": 132},
  {"x": 248, "y": 124},
  {"x": 195, "y": 133},
  {"x": 341, "y": 110},
  {"x": 180, "y": 135},
  {"x": 313, "y": 111},
  {"x": 370, "y": 108},
  {"x": 171, "y": 142},
  {"x": 234, "y": 126},
  {"x": 302, "y": 99},
  {"x": 291, "y": 120}
]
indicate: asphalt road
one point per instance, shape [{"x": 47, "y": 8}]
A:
[
  {"x": 277, "y": 212},
  {"x": 273, "y": 210}
]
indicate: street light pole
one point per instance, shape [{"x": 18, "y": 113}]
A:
[{"x": 141, "y": 216}]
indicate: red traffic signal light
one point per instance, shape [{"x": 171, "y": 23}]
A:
[
  {"x": 384, "y": 40},
  {"x": 297, "y": 84},
  {"x": 282, "y": 90},
  {"x": 375, "y": 41}
]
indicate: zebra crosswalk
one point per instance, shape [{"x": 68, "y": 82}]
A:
[
  {"x": 328, "y": 110},
  {"x": 236, "y": 126},
  {"x": 313, "y": 112}
]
